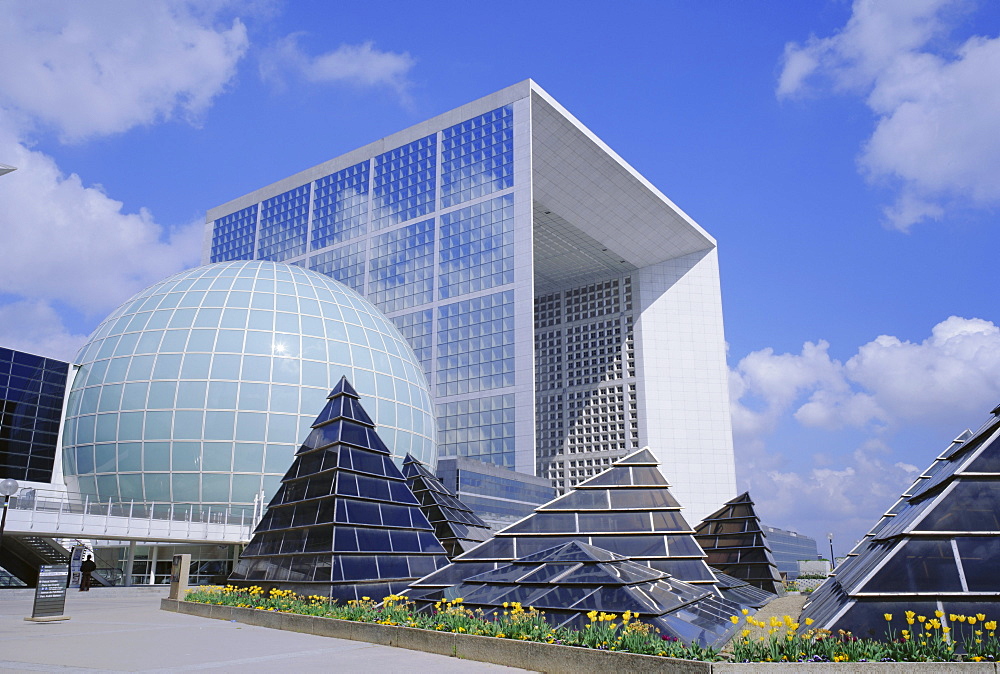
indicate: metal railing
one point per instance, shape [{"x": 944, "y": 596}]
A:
[{"x": 54, "y": 506}]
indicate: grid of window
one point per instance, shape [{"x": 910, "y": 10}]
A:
[
  {"x": 340, "y": 206},
  {"x": 548, "y": 360},
  {"x": 401, "y": 267},
  {"x": 475, "y": 350},
  {"x": 345, "y": 264},
  {"x": 585, "y": 399},
  {"x": 548, "y": 310},
  {"x": 31, "y": 399},
  {"x": 477, "y": 157},
  {"x": 477, "y": 247},
  {"x": 404, "y": 181},
  {"x": 480, "y": 427},
  {"x": 200, "y": 388},
  {"x": 233, "y": 235},
  {"x": 549, "y": 433},
  {"x": 418, "y": 328},
  {"x": 594, "y": 352},
  {"x": 597, "y": 299},
  {"x": 284, "y": 222}
]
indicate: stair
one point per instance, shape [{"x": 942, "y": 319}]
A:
[{"x": 22, "y": 556}]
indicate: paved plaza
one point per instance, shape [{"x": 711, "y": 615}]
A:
[{"x": 129, "y": 633}]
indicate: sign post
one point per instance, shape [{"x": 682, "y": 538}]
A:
[
  {"x": 179, "y": 569},
  {"x": 50, "y": 593}
]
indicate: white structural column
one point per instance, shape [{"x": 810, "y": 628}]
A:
[{"x": 684, "y": 391}]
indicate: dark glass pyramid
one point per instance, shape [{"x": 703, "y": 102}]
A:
[
  {"x": 735, "y": 544},
  {"x": 571, "y": 579},
  {"x": 455, "y": 525},
  {"x": 628, "y": 509},
  {"x": 343, "y": 524},
  {"x": 936, "y": 549}
]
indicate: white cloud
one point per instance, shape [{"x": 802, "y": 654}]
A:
[
  {"x": 35, "y": 326},
  {"x": 889, "y": 389},
  {"x": 937, "y": 132},
  {"x": 85, "y": 70},
  {"x": 70, "y": 242},
  {"x": 954, "y": 373},
  {"x": 846, "y": 501},
  {"x": 102, "y": 67},
  {"x": 361, "y": 64}
]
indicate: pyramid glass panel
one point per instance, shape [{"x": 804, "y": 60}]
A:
[
  {"x": 935, "y": 550},
  {"x": 456, "y": 526},
  {"x": 736, "y": 545},
  {"x": 571, "y": 579},
  {"x": 627, "y": 510},
  {"x": 344, "y": 524}
]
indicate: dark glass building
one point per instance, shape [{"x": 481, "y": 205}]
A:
[
  {"x": 789, "y": 548},
  {"x": 32, "y": 393},
  {"x": 498, "y": 495}
]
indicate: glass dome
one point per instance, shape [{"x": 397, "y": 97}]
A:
[{"x": 200, "y": 388}]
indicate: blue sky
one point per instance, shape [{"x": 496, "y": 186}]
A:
[{"x": 845, "y": 156}]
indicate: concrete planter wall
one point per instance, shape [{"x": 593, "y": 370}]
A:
[{"x": 531, "y": 655}]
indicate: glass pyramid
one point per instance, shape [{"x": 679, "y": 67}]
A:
[
  {"x": 936, "y": 549},
  {"x": 735, "y": 544},
  {"x": 455, "y": 525},
  {"x": 742, "y": 592},
  {"x": 628, "y": 509},
  {"x": 570, "y": 579},
  {"x": 343, "y": 524}
]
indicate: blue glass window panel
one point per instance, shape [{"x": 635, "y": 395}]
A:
[
  {"x": 373, "y": 540},
  {"x": 345, "y": 264},
  {"x": 393, "y": 567},
  {"x": 479, "y": 427},
  {"x": 284, "y": 221},
  {"x": 233, "y": 235},
  {"x": 418, "y": 328},
  {"x": 476, "y": 344},
  {"x": 970, "y": 506},
  {"x": 919, "y": 565},
  {"x": 403, "y": 184},
  {"x": 401, "y": 267},
  {"x": 477, "y": 248},
  {"x": 979, "y": 555},
  {"x": 340, "y": 206},
  {"x": 477, "y": 157}
]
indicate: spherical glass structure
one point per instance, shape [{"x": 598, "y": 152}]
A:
[{"x": 200, "y": 388}]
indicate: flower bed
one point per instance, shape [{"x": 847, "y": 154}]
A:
[
  {"x": 779, "y": 640},
  {"x": 924, "y": 639},
  {"x": 605, "y": 631}
]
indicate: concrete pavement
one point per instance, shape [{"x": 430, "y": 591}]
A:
[{"x": 130, "y": 634}]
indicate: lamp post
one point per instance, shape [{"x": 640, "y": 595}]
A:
[
  {"x": 8, "y": 488},
  {"x": 832, "y": 561}
]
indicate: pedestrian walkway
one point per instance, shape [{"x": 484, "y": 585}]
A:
[{"x": 131, "y": 634}]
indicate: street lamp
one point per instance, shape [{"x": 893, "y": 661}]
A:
[
  {"x": 832, "y": 561},
  {"x": 8, "y": 488}
]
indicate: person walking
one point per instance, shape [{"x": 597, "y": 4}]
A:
[{"x": 87, "y": 567}]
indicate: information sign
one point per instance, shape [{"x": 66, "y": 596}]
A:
[{"x": 50, "y": 594}]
